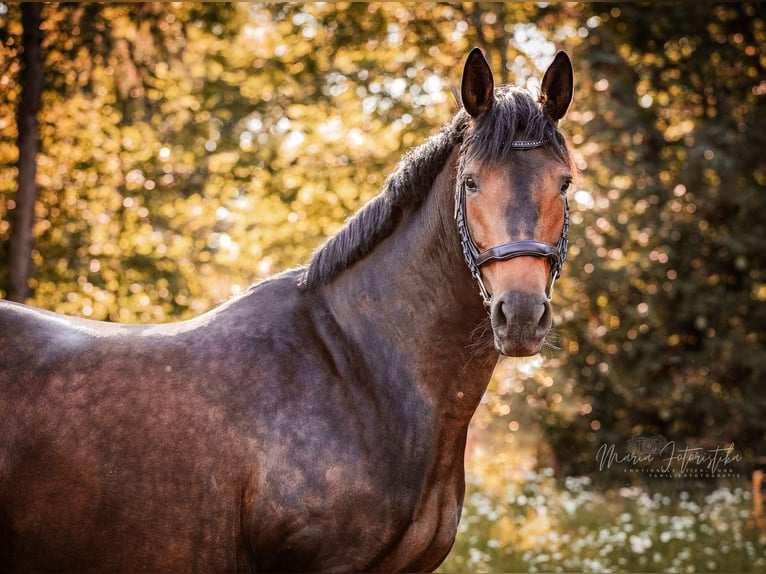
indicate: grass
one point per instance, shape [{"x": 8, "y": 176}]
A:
[
  {"x": 539, "y": 524},
  {"x": 519, "y": 518}
]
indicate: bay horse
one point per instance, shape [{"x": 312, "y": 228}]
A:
[{"x": 317, "y": 421}]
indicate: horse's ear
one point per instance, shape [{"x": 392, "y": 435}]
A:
[
  {"x": 557, "y": 86},
  {"x": 478, "y": 88}
]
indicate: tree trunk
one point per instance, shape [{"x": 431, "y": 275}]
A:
[{"x": 22, "y": 216}]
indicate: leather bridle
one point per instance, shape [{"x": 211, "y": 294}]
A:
[{"x": 556, "y": 254}]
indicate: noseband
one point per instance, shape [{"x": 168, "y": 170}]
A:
[{"x": 556, "y": 254}]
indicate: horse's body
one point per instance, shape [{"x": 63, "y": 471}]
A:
[
  {"x": 218, "y": 443},
  {"x": 315, "y": 422}
]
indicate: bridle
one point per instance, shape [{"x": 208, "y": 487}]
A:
[{"x": 556, "y": 254}]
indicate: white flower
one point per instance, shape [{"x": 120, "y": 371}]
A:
[{"x": 639, "y": 543}]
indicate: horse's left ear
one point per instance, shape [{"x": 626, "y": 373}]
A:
[
  {"x": 557, "y": 86},
  {"x": 478, "y": 87}
]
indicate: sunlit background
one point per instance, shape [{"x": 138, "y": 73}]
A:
[{"x": 189, "y": 150}]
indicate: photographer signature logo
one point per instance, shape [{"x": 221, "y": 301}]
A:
[{"x": 663, "y": 458}]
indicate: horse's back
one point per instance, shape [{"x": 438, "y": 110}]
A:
[{"x": 127, "y": 447}]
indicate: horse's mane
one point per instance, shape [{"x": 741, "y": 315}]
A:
[{"x": 514, "y": 115}]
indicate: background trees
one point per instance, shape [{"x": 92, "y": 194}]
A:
[
  {"x": 667, "y": 329},
  {"x": 188, "y": 150}
]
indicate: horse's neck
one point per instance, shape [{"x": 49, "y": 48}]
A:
[{"x": 413, "y": 301}]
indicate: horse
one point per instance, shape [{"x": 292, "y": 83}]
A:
[{"x": 318, "y": 420}]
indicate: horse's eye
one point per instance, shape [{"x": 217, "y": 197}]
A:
[
  {"x": 470, "y": 184},
  {"x": 565, "y": 185}
]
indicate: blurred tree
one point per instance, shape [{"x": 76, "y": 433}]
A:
[
  {"x": 20, "y": 239},
  {"x": 665, "y": 329},
  {"x": 100, "y": 251}
]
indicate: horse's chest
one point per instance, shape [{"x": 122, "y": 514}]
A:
[
  {"x": 431, "y": 531},
  {"x": 360, "y": 524}
]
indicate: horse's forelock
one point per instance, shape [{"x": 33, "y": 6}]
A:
[{"x": 514, "y": 116}]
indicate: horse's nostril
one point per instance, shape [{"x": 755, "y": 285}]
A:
[
  {"x": 501, "y": 313},
  {"x": 546, "y": 319}
]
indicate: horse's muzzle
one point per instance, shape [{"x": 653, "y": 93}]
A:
[{"x": 520, "y": 322}]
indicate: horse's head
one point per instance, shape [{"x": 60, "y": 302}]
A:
[{"x": 511, "y": 203}]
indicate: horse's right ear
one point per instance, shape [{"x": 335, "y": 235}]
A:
[
  {"x": 556, "y": 89},
  {"x": 478, "y": 88}
]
